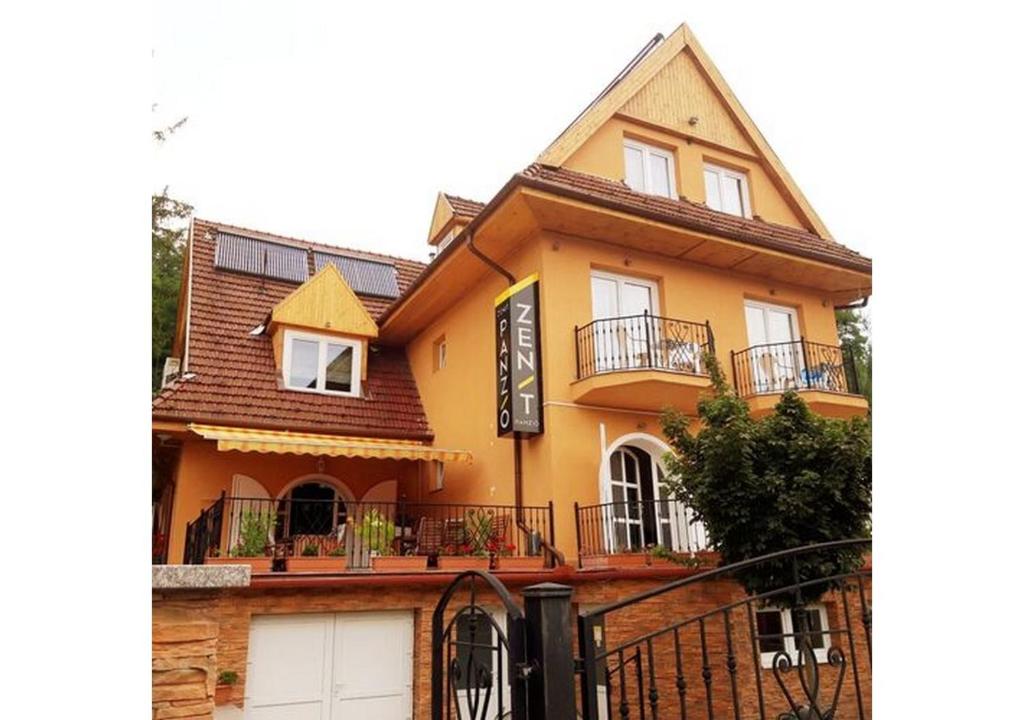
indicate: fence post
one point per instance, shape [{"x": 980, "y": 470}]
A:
[{"x": 552, "y": 681}]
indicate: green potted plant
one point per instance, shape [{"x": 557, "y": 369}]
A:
[
  {"x": 377, "y": 534},
  {"x": 253, "y": 539},
  {"x": 311, "y": 559},
  {"x": 226, "y": 680}
]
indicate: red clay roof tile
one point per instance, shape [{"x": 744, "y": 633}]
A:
[{"x": 232, "y": 378}]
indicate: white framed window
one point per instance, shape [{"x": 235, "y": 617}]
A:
[
  {"x": 437, "y": 477},
  {"x": 322, "y": 364},
  {"x": 776, "y": 632},
  {"x": 650, "y": 169},
  {"x": 446, "y": 240},
  {"x": 726, "y": 190},
  {"x": 440, "y": 353}
]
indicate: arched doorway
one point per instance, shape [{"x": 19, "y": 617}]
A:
[
  {"x": 313, "y": 510},
  {"x": 640, "y": 512}
]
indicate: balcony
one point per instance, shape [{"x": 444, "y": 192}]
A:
[
  {"x": 626, "y": 533},
  {"x": 642, "y": 362},
  {"x": 336, "y": 536},
  {"x": 824, "y": 375}
]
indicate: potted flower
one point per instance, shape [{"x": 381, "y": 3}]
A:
[
  {"x": 378, "y": 534},
  {"x": 251, "y": 548},
  {"x": 508, "y": 560},
  {"x": 226, "y": 680},
  {"x": 463, "y": 557},
  {"x": 310, "y": 560}
]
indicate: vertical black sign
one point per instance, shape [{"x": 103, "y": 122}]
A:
[{"x": 517, "y": 327}]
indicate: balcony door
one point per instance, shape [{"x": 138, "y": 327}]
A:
[
  {"x": 773, "y": 335},
  {"x": 642, "y": 512},
  {"x": 619, "y": 337}
]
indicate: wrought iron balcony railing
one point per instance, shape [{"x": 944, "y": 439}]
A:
[
  {"x": 641, "y": 342},
  {"x": 360, "y": 530},
  {"x": 637, "y": 525},
  {"x": 797, "y": 365}
]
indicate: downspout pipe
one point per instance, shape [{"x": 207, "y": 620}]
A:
[{"x": 517, "y": 440}]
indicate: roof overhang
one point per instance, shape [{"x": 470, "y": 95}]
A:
[
  {"x": 528, "y": 205},
  {"x": 293, "y": 443}
]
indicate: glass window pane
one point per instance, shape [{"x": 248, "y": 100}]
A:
[
  {"x": 303, "y": 365},
  {"x": 339, "y": 368},
  {"x": 635, "y": 168},
  {"x": 813, "y": 626},
  {"x": 769, "y": 622},
  {"x": 711, "y": 191},
  {"x": 659, "y": 175},
  {"x": 731, "y": 195}
]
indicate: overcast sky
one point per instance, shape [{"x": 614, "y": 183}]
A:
[{"x": 337, "y": 124}]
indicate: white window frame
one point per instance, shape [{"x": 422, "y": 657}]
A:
[
  {"x": 646, "y": 151},
  {"x": 619, "y": 281},
  {"x": 442, "y": 354},
  {"x": 321, "y": 371},
  {"x": 789, "y": 642},
  {"x": 724, "y": 172}
]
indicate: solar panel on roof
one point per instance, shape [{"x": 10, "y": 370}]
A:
[
  {"x": 365, "y": 277},
  {"x": 259, "y": 257}
]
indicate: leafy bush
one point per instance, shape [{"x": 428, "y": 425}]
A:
[
  {"x": 762, "y": 485},
  {"x": 338, "y": 551},
  {"x": 227, "y": 677},
  {"x": 376, "y": 532},
  {"x": 254, "y": 534},
  {"x": 310, "y": 551}
]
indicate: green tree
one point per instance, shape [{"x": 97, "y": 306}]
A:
[
  {"x": 779, "y": 482},
  {"x": 169, "y": 230},
  {"x": 169, "y": 225},
  {"x": 855, "y": 333}
]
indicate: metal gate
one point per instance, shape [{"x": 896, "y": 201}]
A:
[
  {"x": 479, "y": 662},
  {"x": 768, "y": 655},
  {"x": 694, "y": 648}
]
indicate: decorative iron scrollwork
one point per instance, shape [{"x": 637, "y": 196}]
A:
[{"x": 810, "y": 681}]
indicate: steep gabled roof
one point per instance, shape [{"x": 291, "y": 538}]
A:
[
  {"x": 463, "y": 207},
  {"x": 232, "y": 377},
  {"x": 653, "y": 62}
]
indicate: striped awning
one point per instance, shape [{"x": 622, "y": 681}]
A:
[{"x": 274, "y": 441}]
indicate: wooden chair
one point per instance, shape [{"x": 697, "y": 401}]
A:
[{"x": 430, "y": 535}]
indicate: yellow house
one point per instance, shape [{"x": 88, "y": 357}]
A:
[
  {"x": 658, "y": 227},
  {"x": 356, "y": 427}
]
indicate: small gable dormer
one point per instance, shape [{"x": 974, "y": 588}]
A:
[
  {"x": 451, "y": 216},
  {"x": 321, "y": 334}
]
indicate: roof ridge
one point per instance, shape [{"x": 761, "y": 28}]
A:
[{"x": 309, "y": 244}]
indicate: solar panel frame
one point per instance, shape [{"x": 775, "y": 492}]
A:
[
  {"x": 261, "y": 257},
  {"x": 365, "y": 277}
]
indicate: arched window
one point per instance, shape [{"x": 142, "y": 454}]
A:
[
  {"x": 311, "y": 508},
  {"x": 641, "y": 509}
]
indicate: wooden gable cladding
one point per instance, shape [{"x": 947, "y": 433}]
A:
[
  {"x": 325, "y": 302},
  {"x": 443, "y": 214},
  {"x": 680, "y": 92}
]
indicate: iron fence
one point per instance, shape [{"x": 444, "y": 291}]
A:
[
  {"x": 637, "y": 525},
  {"x": 797, "y": 365},
  {"x": 637, "y": 342},
  {"x": 801, "y": 650},
  {"x": 361, "y": 530}
]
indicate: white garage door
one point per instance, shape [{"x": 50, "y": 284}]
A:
[{"x": 343, "y": 666}]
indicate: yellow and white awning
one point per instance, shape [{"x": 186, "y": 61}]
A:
[{"x": 274, "y": 441}]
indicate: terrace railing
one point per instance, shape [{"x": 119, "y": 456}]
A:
[
  {"x": 635, "y": 526},
  {"x": 365, "y": 529},
  {"x": 797, "y": 365},
  {"x": 642, "y": 342}
]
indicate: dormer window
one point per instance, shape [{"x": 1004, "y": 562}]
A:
[
  {"x": 650, "y": 169},
  {"x": 726, "y": 190},
  {"x": 321, "y": 363}
]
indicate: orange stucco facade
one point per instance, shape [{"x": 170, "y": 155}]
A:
[{"x": 696, "y": 276}]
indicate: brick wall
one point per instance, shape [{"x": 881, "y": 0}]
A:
[{"x": 196, "y": 635}]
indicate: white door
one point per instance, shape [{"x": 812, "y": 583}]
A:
[
  {"x": 487, "y": 656},
  {"x": 775, "y": 358},
  {"x": 372, "y": 666},
  {"x": 248, "y": 495},
  {"x": 330, "y": 666},
  {"x": 622, "y": 343}
]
